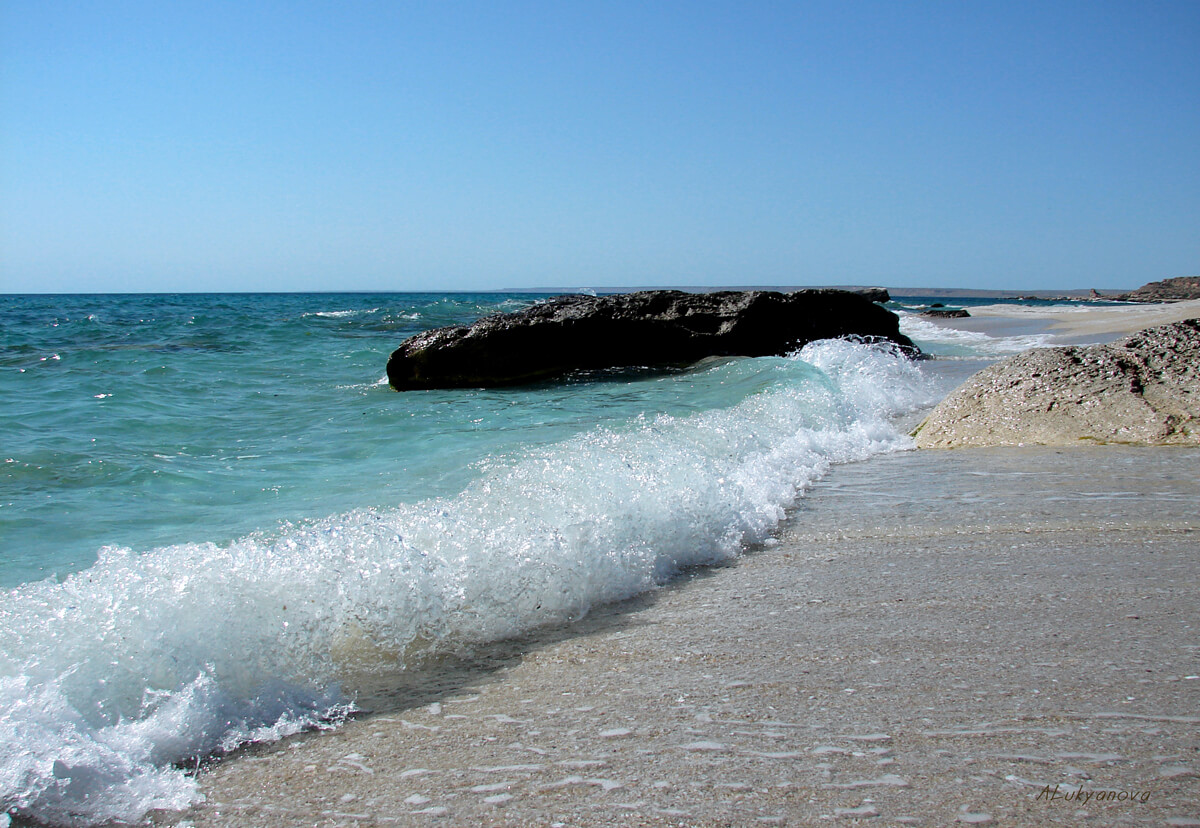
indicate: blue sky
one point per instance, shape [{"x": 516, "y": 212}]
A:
[{"x": 449, "y": 145}]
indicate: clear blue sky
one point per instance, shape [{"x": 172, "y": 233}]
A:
[{"x": 450, "y": 145}]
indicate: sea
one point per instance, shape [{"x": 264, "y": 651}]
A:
[{"x": 219, "y": 524}]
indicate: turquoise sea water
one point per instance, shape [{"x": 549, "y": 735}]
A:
[
  {"x": 216, "y": 517},
  {"x": 146, "y": 420}
]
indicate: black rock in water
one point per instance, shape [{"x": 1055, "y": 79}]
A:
[
  {"x": 654, "y": 328},
  {"x": 945, "y": 313},
  {"x": 880, "y": 295}
]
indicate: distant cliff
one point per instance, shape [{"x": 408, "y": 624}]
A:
[{"x": 1168, "y": 290}]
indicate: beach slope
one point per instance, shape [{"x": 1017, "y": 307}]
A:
[{"x": 987, "y": 636}]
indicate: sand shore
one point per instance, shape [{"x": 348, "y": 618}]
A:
[
  {"x": 1121, "y": 321},
  {"x": 938, "y": 637},
  {"x": 1074, "y": 324}
]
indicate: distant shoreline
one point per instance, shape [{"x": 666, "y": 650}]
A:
[
  {"x": 1087, "y": 323},
  {"x": 941, "y": 293},
  {"x": 949, "y": 293}
]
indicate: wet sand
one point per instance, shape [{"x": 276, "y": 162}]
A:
[{"x": 1003, "y": 637}]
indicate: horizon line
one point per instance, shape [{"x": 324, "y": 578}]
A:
[{"x": 1040, "y": 293}]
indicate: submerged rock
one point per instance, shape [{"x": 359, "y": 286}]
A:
[
  {"x": 946, "y": 313},
  {"x": 1143, "y": 389},
  {"x": 649, "y": 328}
]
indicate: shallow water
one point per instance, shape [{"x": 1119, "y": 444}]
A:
[{"x": 940, "y": 492}]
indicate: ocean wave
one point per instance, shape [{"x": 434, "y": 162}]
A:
[{"x": 117, "y": 676}]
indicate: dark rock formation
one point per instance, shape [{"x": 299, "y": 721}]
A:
[
  {"x": 1168, "y": 290},
  {"x": 946, "y": 313},
  {"x": 1143, "y": 389},
  {"x": 879, "y": 295},
  {"x": 648, "y": 328}
]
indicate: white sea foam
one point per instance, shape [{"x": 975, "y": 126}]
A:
[
  {"x": 112, "y": 678},
  {"x": 345, "y": 314},
  {"x": 950, "y": 341}
]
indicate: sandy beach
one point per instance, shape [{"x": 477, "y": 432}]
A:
[
  {"x": 975, "y": 636},
  {"x": 1105, "y": 322},
  {"x": 1084, "y": 323}
]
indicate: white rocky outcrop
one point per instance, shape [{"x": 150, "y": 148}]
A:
[{"x": 1143, "y": 389}]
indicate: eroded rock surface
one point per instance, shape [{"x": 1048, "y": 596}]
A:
[
  {"x": 1144, "y": 389},
  {"x": 648, "y": 328},
  {"x": 1178, "y": 289}
]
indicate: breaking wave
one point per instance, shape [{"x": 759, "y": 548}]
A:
[{"x": 116, "y": 678}]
